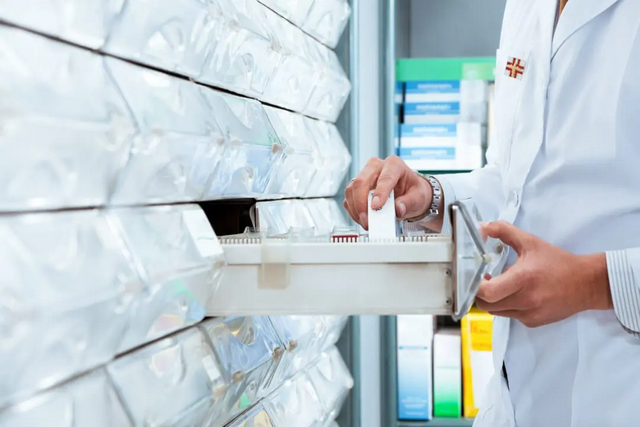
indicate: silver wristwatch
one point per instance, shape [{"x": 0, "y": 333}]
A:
[{"x": 436, "y": 200}]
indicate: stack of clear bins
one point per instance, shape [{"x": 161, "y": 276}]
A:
[
  {"x": 222, "y": 372},
  {"x": 100, "y": 282}
]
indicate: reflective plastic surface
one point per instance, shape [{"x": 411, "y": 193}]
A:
[
  {"x": 181, "y": 262},
  {"x": 279, "y": 217},
  {"x": 178, "y": 144},
  {"x": 65, "y": 133},
  {"x": 66, "y": 283},
  {"x": 298, "y": 167},
  {"x": 327, "y": 215},
  {"x": 332, "y": 87},
  {"x": 333, "y": 160},
  {"x": 86, "y": 22},
  {"x": 242, "y": 57},
  {"x": 255, "y": 417},
  {"x": 249, "y": 351},
  {"x": 332, "y": 381},
  {"x": 327, "y": 19},
  {"x": 294, "y": 79},
  {"x": 85, "y": 401},
  {"x": 296, "y": 403},
  {"x": 174, "y": 382},
  {"x": 175, "y": 35},
  {"x": 295, "y": 11},
  {"x": 254, "y": 150}
]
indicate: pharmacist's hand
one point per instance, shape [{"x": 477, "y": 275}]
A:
[
  {"x": 413, "y": 193},
  {"x": 546, "y": 284}
]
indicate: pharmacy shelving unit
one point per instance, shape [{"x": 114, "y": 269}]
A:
[{"x": 128, "y": 128}]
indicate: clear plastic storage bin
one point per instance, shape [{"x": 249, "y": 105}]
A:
[
  {"x": 242, "y": 57},
  {"x": 178, "y": 144},
  {"x": 175, "y": 35},
  {"x": 333, "y": 159},
  {"x": 85, "y": 22},
  {"x": 66, "y": 282},
  {"x": 294, "y": 79},
  {"x": 66, "y": 132},
  {"x": 85, "y": 401},
  {"x": 248, "y": 351},
  {"x": 254, "y": 151},
  {"x": 327, "y": 19},
  {"x": 181, "y": 261},
  {"x": 297, "y": 169}
]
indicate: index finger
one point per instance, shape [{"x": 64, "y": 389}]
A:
[
  {"x": 507, "y": 233},
  {"x": 500, "y": 287},
  {"x": 389, "y": 176}
]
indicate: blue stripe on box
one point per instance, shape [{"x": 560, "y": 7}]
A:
[
  {"x": 450, "y": 86},
  {"x": 427, "y": 153},
  {"x": 450, "y": 130},
  {"x": 428, "y": 108}
]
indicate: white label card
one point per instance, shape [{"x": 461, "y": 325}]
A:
[{"x": 382, "y": 223}]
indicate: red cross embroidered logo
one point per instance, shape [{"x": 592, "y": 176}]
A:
[{"x": 515, "y": 68}]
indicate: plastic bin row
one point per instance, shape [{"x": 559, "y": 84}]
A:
[
  {"x": 79, "y": 130},
  {"x": 323, "y": 19},
  {"x": 208, "y": 375},
  {"x": 277, "y": 218},
  {"x": 238, "y": 45},
  {"x": 78, "y": 287}
]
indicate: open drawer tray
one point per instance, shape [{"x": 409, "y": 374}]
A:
[{"x": 352, "y": 275}]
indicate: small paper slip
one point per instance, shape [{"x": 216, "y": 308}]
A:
[{"x": 382, "y": 223}]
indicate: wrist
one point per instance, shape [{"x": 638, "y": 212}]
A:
[
  {"x": 427, "y": 188},
  {"x": 595, "y": 282},
  {"x": 433, "y": 200}
]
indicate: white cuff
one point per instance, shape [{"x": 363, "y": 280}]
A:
[{"x": 625, "y": 292}]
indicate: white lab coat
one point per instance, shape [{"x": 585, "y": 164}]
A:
[{"x": 566, "y": 167}]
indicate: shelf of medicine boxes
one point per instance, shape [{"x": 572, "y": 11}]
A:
[
  {"x": 438, "y": 422},
  {"x": 112, "y": 133}
]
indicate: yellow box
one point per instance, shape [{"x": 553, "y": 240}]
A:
[{"x": 477, "y": 360}]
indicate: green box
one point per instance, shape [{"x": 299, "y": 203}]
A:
[{"x": 423, "y": 69}]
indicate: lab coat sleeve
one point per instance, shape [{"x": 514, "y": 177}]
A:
[
  {"x": 482, "y": 187},
  {"x": 624, "y": 279}
]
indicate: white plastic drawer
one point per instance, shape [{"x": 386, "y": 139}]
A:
[
  {"x": 174, "y": 382},
  {"x": 296, "y": 274},
  {"x": 242, "y": 57},
  {"x": 327, "y": 19},
  {"x": 248, "y": 351},
  {"x": 332, "y": 381},
  {"x": 295, "y": 11},
  {"x": 178, "y": 144},
  {"x": 181, "y": 262},
  {"x": 168, "y": 34},
  {"x": 85, "y": 22},
  {"x": 64, "y": 291},
  {"x": 298, "y": 167},
  {"x": 66, "y": 130},
  {"x": 254, "y": 150},
  {"x": 86, "y": 401},
  {"x": 295, "y": 403},
  {"x": 255, "y": 417}
]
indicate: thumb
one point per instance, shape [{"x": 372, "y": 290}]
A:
[
  {"x": 508, "y": 234},
  {"x": 412, "y": 204}
]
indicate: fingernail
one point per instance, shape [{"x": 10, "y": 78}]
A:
[
  {"x": 375, "y": 203},
  {"x": 402, "y": 210}
]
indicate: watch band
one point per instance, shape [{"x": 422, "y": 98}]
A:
[{"x": 436, "y": 200}]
